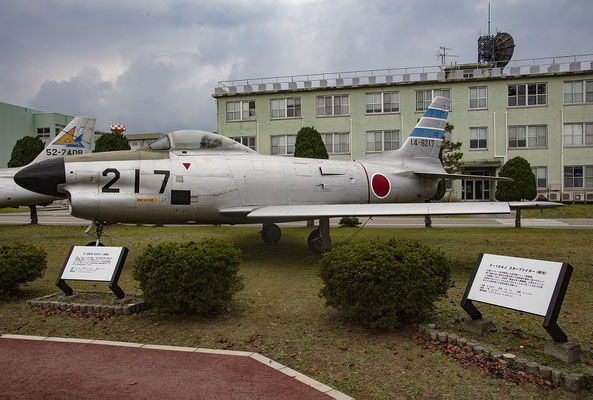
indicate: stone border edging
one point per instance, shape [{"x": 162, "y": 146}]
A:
[
  {"x": 124, "y": 309},
  {"x": 572, "y": 382}
]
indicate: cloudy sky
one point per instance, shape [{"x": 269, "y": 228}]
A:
[{"x": 153, "y": 64}]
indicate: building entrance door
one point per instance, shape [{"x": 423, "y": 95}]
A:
[{"x": 478, "y": 189}]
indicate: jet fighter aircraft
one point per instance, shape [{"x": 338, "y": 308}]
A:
[
  {"x": 196, "y": 176},
  {"x": 75, "y": 138}
]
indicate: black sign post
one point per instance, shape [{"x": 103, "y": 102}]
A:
[
  {"x": 87, "y": 263},
  {"x": 532, "y": 286}
]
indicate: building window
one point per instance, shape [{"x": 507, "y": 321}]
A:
[
  {"x": 240, "y": 110},
  {"x": 285, "y": 108},
  {"x": 478, "y": 138},
  {"x": 333, "y": 105},
  {"x": 43, "y": 132},
  {"x": 336, "y": 143},
  {"x": 576, "y": 92},
  {"x": 478, "y": 97},
  {"x": 248, "y": 141},
  {"x": 59, "y": 128},
  {"x": 381, "y": 103},
  {"x": 382, "y": 141},
  {"x": 283, "y": 144},
  {"x": 527, "y": 95},
  {"x": 541, "y": 177},
  {"x": 528, "y": 136},
  {"x": 578, "y": 176},
  {"x": 424, "y": 97},
  {"x": 580, "y": 134}
]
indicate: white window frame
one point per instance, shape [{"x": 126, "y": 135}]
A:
[
  {"x": 330, "y": 104},
  {"x": 524, "y": 135},
  {"x": 585, "y": 179},
  {"x": 247, "y": 141},
  {"x": 478, "y": 138},
  {"x": 527, "y": 98},
  {"x": 44, "y": 132},
  {"x": 541, "y": 177},
  {"x": 244, "y": 110},
  {"x": 478, "y": 96},
  {"x": 585, "y": 94},
  {"x": 427, "y": 97},
  {"x": 578, "y": 134},
  {"x": 378, "y": 103},
  {"x": 338, "y": 146},
  {"x": 283, "y": 108},
  {"x": 284, "y": 144},
  {"x": 379, "y": 140}
]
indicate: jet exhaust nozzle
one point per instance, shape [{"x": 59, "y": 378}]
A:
[{"x": 43, "y": 177}]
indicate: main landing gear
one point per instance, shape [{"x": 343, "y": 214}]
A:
[
  {"x": 319, "y": 240},
  {"x": 98, "y": 226},
  {"x": 271, "y": 233}
]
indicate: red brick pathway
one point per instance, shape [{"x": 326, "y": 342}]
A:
[{"x": 52, "y": 369}]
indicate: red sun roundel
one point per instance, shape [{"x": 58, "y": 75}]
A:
[{"x": 381, "y": 185}]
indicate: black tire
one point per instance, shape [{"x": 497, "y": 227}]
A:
[
  {"x": 271, "y": 233},
  {"x": 314, "y": 241}
]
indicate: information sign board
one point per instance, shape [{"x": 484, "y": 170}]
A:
[
  {"x": 93, "y": 263},
  {"x": 533, "y": 286}
]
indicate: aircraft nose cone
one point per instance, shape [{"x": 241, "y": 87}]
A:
[{"x": 43, "y": 177}]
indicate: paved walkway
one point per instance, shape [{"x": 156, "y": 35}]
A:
[{"x": 34, "y": 367}]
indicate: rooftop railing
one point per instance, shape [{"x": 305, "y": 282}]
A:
[{"x": 531, "y": 66}]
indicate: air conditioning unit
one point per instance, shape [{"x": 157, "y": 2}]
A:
[
  {"x": 555, "y": 196},
  {"x": 567, "y": 196},
  {"x": 579, "y": 197},
  {"x": 589, "y": 197}
]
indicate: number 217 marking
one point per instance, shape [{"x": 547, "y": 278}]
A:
[{"x": 107, "y": 188}]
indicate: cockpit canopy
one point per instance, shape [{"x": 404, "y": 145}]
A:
[{"x": 189, "y": 140}]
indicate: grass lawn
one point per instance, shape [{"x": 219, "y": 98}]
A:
[{"x": 280, "y": 314}]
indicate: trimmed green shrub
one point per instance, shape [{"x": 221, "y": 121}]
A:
[
  {"x": 309, "y": 144},
  {"x": 190, "y": 277},
  {"x": 350, "y": 222},
  {"x": 524, "y": 185},
  {"x": 381, "y": 283},
  {"x": 111, "y": 141},
  {"x": 19, "y": 263}
]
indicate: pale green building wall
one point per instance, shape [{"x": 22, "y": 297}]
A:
[
  {"x": 17, "y": 122},
  {"x": 496, "y": 118}
]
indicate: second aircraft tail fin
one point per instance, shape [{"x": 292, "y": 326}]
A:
[{"x": 75, "y": 138}]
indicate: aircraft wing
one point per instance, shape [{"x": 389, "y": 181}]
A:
[
  {"x": 383, "y": 209},
  {"x": 395, "y": 209}
]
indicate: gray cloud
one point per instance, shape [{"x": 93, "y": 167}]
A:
[{"x": 154, "y": 64}]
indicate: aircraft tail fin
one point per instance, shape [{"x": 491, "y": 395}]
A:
[
  {"x": 75, "y": 138},
  {"x": 427, "y": 137}
]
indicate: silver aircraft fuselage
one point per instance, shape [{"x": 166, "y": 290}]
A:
[{"x": 222, "y": 186}]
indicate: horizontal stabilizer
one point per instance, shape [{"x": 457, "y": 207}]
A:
[
  {"x": 383, "y": 209},
  {"x": 464, "y": 176},
  {"x": 533, "y": 205}
]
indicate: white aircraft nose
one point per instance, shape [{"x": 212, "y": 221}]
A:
[{"x": 42, "y": 177}]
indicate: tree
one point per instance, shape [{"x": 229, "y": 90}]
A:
[
  {"x": 24, "y": 151},
  {"x": 523, "y": 186},
  {"x": 450, "y": 157},
  {"x": 309, "y": 144},
  {"x": 110, "y": 142}
]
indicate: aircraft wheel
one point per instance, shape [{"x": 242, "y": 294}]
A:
[
  {"x": 314, "y": 241},
  {"x": 94, "y": 244},
  {"x": 271, "y": 233}
]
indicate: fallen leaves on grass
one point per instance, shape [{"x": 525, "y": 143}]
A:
[{"x": 74, "y": 313}]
